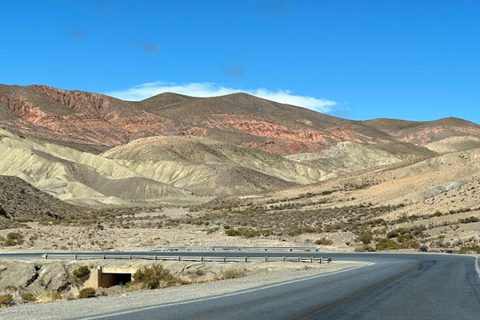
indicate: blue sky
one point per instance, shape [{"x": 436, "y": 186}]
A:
[{"x": 415, "y": 60}]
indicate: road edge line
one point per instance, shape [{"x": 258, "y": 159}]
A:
[
  {"x": 221, "y": 296},
  {"x": 477, "y": 267}
]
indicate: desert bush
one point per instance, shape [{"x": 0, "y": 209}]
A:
[
  {"x": 27, "y": 296},
  {"x": 469, "y": 249},
  {"x": 6, "y": 300},
  {"x": 11, "y": 288},
  {"x": 154, "y": 277},
  {"x": 48, "y": 296},
  {"x": 387, "y": 244},
  {"x": 423, "y": 249},
  {"x": 365, "y": 249},
  {"x": 81, "y": 272},
  {"x": 471, "y": 219},
  {"x": 233, "y": 233},
  {"x": 323, "y": 241},
  {"x": 231, "y": 273},
  {"x": 13, "y": 239},
  {"x": 87, "y": 293},
  {"x": 365, "y": 237}
]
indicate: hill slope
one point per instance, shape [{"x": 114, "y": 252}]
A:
[
  {"x": 95, "y": 122},
  {"x": 20, "y": 200}
]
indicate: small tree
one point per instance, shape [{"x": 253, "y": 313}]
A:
[{"x": 365, "y": 237}]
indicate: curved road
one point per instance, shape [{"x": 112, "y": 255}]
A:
[{"x": 393, "y": 286}]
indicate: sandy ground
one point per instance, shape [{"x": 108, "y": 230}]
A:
[
  {"x": 279, "y": 272},
  {"x": 112, "y": 237}
]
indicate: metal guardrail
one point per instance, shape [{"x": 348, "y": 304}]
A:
[
  {"x": 154, "y": 257},
  {"x": 234, "y": 248}
]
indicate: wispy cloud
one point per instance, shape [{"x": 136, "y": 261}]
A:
[{"x": 209, "y": 89}]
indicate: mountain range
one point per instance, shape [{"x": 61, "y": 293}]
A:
[{"x": 88, "y": 148}]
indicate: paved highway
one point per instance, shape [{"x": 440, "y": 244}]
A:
[{"x": 394, "y": 286}]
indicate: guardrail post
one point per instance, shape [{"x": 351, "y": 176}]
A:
[
  {"x": 104, "y": 257},
  {"x": 266, "y": 258},
  {"x": 46, "y": 255},
  {"x": 311, "y": 259},
  {"x": 75, "y": 257},
  {"x": 224, "y": 259},
  {"x": 246, "y": 259},
  {"x": 179, "y": 258},
  {"x": 130, "y": 257},
  {"x": 155, "y": 257},
  {"x": 284, "y": 259},
  {"x": 201, "y": 258}
]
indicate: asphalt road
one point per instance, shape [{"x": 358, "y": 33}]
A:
[{"x": 394, "y": 286}]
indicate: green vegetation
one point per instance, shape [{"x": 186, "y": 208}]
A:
[
  {"x": 365, "y": 249},
  {"x": 154, "y": 277},
  {"x": 81, "y": 272},
  {"x": 231, "y": 273},
  {"x": 471, "y": 219},
  {"x": 247, "y": 233},
  {"x": 365, "y": 237},
  {"x": 13, "y": 239},
  {"x": 87, "y": 293},
  {"x": 27, "y": 296},
  {"x": 470, "y": 249},
  {"x": 324, "y": 241},
  {"x": 256, "y": 221},
  {"x": 6, "y": 300}
]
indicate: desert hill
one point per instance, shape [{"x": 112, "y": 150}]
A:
[
  {"x": 88, "y": 148},
  {"x": 95, "y": 122},
  {"x": 166, "y": 168},
  {"x": 21, "y": 201},
  {"x": 425, "y": 133}
]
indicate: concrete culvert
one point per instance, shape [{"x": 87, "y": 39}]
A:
[{"x": 109, "y": 277}]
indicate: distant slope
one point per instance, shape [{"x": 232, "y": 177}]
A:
[
  {"x": 423, "y": 133},
  {"x": 19, "y": 200},
  {"x": 72, "y": 175},
  {"x": 205, "y": 166},
  {"x": 454, "y": 143},
  {"x": 91, "y": 121},
  {"x": 274, "y": 127}
]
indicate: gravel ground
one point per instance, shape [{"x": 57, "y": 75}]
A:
[{"x": 86, "y": 307}]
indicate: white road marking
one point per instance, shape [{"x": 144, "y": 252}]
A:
[
  {"x": 477, "y": 267},
  {"x": 222, "y": 296}
]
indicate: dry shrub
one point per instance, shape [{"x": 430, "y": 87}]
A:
[
  {"x": 87, "y": 293},
  {"x": 48, "y": 296},
  {"x": 231, "y": 273},
  {"x": 27, "y": 296},
  {"x": 81, "y": 272},
  {"x": 153, "y": 277},
  {"x": 6, "y": 300},
  {"x": 324, "y": 241}
]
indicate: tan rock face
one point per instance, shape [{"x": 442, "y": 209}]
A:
[{"x": 425, "y": 136}]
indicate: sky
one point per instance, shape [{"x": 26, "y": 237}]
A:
[{"x": 415, "y": 60}]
